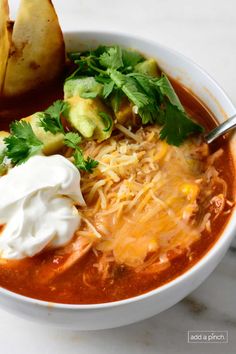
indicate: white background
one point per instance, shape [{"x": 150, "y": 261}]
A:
[{"x": 204, "y": 30}]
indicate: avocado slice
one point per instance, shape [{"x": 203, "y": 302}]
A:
[
  {"x": 3, "y": 135},
  {"x": 148, "y": 67},
  {"x": 84, "y": 115},
  {"x": 124, "y": 114},
  {"x": 85, "y": 87}
]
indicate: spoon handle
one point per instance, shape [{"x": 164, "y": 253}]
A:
[{"x": 221, "y": 129}]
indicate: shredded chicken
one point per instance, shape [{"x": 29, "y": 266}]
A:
[{"x": 76, "y": 251}]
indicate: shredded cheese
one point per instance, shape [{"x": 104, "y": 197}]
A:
[{"x": 148, "y": 202}]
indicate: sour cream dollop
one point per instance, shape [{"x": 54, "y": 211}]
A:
[{"x": 37, "y": 206}]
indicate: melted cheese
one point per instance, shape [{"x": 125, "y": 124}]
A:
[{"x": 142, "y": 197}]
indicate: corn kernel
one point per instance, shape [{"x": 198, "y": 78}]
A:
[
  {"x": 152, "y": 245},
  {"x": 191, "y": 190}
]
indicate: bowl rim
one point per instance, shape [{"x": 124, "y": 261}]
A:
[{"x": 226, "y": 234}]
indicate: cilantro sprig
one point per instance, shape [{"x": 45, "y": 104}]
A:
[
  {"x": 154, "y": 97},
  {"x": 112, "y": 58},
  {"x": 177, "y": 125},
  {"x": 72, "y": 140},
  {"x": 90, "y": 63},
  {"x": 50, "y": 119},
  {"x": 22, "y": 143}
]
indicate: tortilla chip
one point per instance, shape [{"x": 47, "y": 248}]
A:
[
  {"x": 37, "y": 53},
  {"x": 5, "y": 35}
]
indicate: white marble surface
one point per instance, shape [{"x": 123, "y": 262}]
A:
[{"x": 204, "y": 30}]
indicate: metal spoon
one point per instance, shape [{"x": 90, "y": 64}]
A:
[{"x": 221, "y": 129}]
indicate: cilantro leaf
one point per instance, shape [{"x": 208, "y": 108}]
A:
[
  {"x": 50, "y": 119},
  {"x": 72, "y": 139},
  {"x": 130, "y": 88},
  {"x": 148, "y": 95},
  {"x": 133, "y": 91},
  {"x": 149, "y": 114},
  {"x": 142, "y": 93},
  {"x": 108, "y": 85},
  {"x": 147, "y": 84},
  {"x": 47, "y": 123},
  {"x": 112, "y": 59},
  {"x": 177, "y": 126},
  {"x": 57, "y": 108},
  {"x": 131, "y": 58},
  {"x": 98, "y": 51},
  {"x": 22, "y": 143},
  {"x": 108, "y": 88},
  {"x": 84, "y": 164},
  {"x": 167, "y": 90},
  {"x": 87, "y": 62}
]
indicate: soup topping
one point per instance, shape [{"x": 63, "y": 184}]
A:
[
  {"x": 148, "y": 200},
  {"x": 37, "y": 206}
]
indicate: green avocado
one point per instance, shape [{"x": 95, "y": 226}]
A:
[
  {"x": 3, "y": 135},
  {"x": 84, "y": 116},
  {"x": 148, "y": 67},
  {"x": 124, "y": 113},
  {"x": 85, "y": 87}
]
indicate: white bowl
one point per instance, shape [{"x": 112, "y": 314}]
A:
[{"x": 109, "y": 315}]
